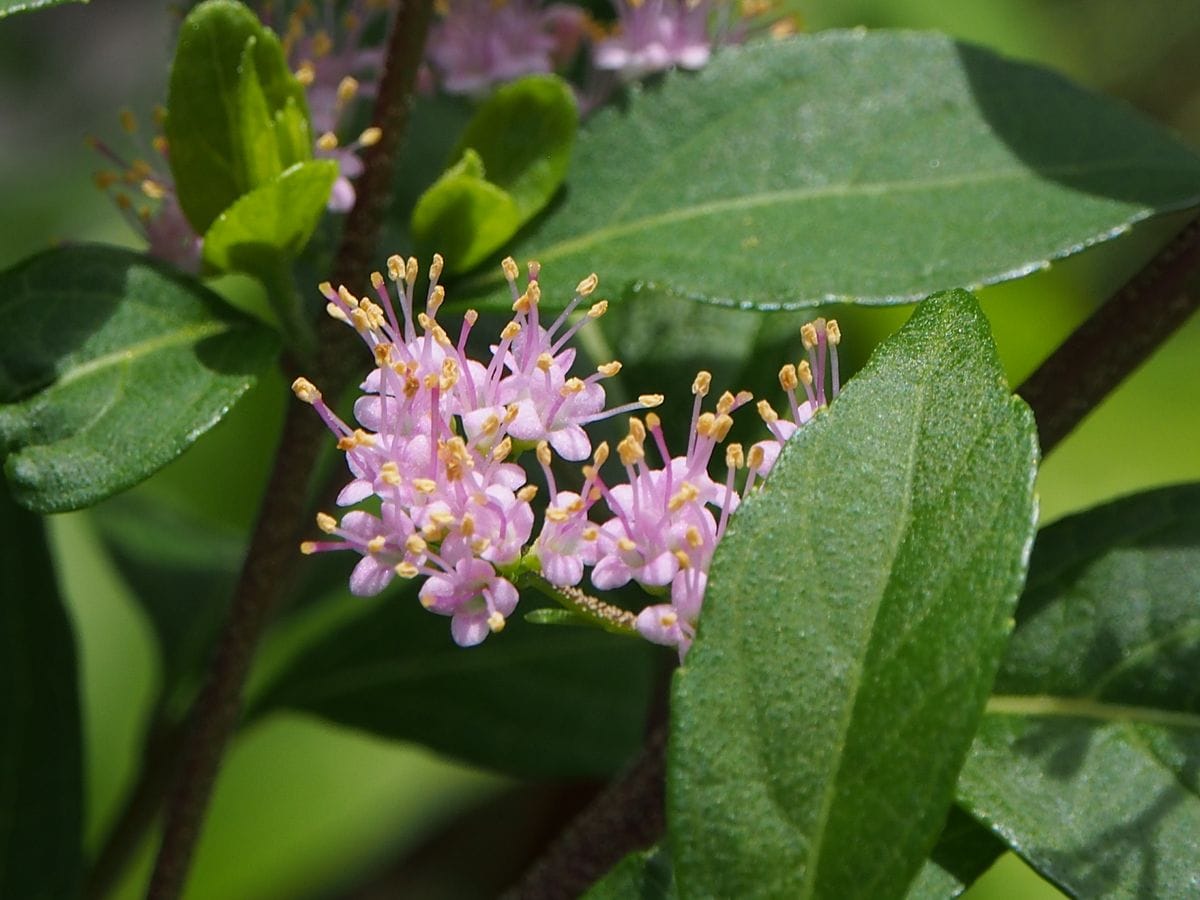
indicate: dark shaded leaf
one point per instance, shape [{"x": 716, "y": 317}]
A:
[
  {"x": 855, "y": 166},
  {"x": 844, "y": 658},
  {"x": 1088, "y": 760},
  {"x": 539, "y": 702},
  {"x": 645, "y": 875},
  {"x": 41, "y": 766},
  {"x": 962, "y": 854},
  {"x": 110, "y": 367}
]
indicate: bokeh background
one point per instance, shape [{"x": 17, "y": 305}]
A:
[{"x": 303, "y": 809}]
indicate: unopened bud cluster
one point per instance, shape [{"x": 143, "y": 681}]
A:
[{"x": 440, "y": 432}]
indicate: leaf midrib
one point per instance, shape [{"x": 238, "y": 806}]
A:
[{"x": 1055, "y": 706}]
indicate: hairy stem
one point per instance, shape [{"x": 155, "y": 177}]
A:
[
  {"x": 1121, "y": 334},
  {"x": 273, "y": 544}
]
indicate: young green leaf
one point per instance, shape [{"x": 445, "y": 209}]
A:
[
  {"x": 505, "y": 173},
  {"x": 964, "y": 851},
  {"x": 41, "y": 767},
  {"x": 8, "y": 7},
  {"x": 110, "y": 367},
  {"x": 1088, "y": 759},
  {"x": 236, "y": 116},
  {"x": 853, "y": 166},
  {"x": 855, "y": 616},
  {"x": 537, "y": 702}
]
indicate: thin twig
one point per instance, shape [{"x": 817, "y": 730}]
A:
[
  {"x": 273, "y": 545},
  {"x": 1120, "y": 335},
  {"x": 1115, "y": 340}
]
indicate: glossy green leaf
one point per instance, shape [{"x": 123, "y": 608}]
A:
[
  {"x": 41, "y": 767},
  {"x": 544, "y": 702},
  {"x": 236, "y": 116},
  {"x": 1088, "y": 760},
  {"x": 645, "y": 875},
  {"x": 110, "y": 367},
  {"x": 855, "y": 615},
  {"x": 850, "y": 165},
  {"x": 8, "y": 7},
  {"x": 513, "y": 157},
  {"x": 464, "y": 216}
]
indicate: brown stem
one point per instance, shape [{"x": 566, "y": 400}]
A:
[
  {"x": 1115, "y": 340},
  {"x": 1136, "y": 320},
  {"x": 272, "y": 550}
]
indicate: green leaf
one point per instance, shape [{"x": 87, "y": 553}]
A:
[
  {"x": 849, "y": 165},
  {"x": 110, "y": 367},
  {"x": 531, "y": 701},
  {"x": 843, "y": 659},
  {"x": 548, "y": 615},
  {"x": 464, "y": 216},
  {"x": 41, "y": 767},
  {"x": 513, "y": 157},
  {"x": 1088, "y": 760},
  {"x": 236, "y": 116},
  {"x": 645, "y": 875},
  {"x": 8, "y": 7}
]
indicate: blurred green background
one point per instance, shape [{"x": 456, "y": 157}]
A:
[{"x": 303, "y": 809}]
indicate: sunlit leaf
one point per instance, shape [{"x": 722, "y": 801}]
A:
[{"x": 855, "y": 615}]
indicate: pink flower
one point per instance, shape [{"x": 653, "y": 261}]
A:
[{"x": 654, "y": 35}]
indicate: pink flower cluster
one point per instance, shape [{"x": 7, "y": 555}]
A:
[{"x": 440, "y": 433}]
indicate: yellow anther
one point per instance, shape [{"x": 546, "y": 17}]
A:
[
  {"x": 376, "y": 544},
  {"x": 511, "y": 330},
  {"x": 692, "y": 536},
  {"x": 383, "y": 354},
  {"x": 743, "y": 397},
  {"x": 701, "y": 383},
  {"x": 527, "y": 493},
  {"x": 471, "y": 317},
  {"x": 496, "y": 622},
  {"x": 159, "y": 143},
  {"x": 597, "y": 309},
  {"x": 370, "y": 136},
  {"x": 576, "y": 505},
  {"x": 788, "y": 379},
  {"x": 734, "y": 457},
  {"x": 511, "y": 412},
  {"x": 721, "y": 426},
  {"x": 490, "y": 425},
  {"x": 725, "y": 403},
  {"x": 754, "y": 459},
  {"x": 410, "y": 270},
  {"x": 556, "y": 515},
  {"x": 668, "y": 619},
  {"x": 480, "y": 544},
  {"x": 153, "y": 189},
  {"x": 305, "y": 390},
  {"x": 395, "y": 267},
  {"x": 637, "y": 430},
  {"x": 377, "y": 280},
  {"x": 686, "y": 494},
  {"x": 306, "y": 74},
  {"x": 626, "y": 545},
  {"x": 346, "y": 297},
  {"x": 322, "y": 43},
  {"x": 138, "y": 170},
  {"x": 308, "y": 548},
  {"x": 390, "y": 473},
  {"x": 808, "y": 334},
  {"x": 608, "y": 370},
  {"x": 834, "y": 332},
  {"x": 704, "y": 424},
  {"x": 326, "y": 522},
  {"x": 767, "y": 412},
  {"x": 405, "y": 570},
  {"x": 442, "y": 519},
  {"x": 128, "y": 121},
  {"x": 585, "y": 287},
  {"x": 336, "y": 312},
  {"x": 502, "y": 450},
  {"x": 653, "y": 422},
  {"x": 630, "y": 451},
  {"x": 360, "y": 320},
  {"x": 649, "y": 401},
  {"x": 435, "y": 267},
  {"x": 424, "y": 485},
  {"x": 346, "y": 89},
  {"x": 415, "y": 544},
  {"x": 571, "y": 386},
  {"x": 601, "y": 454},
  {"x": 534, "y": 292},
  {"x": 509, "y": 265},
  {"x": 426, "y": 601},
  {"x": 436, "y": 296},
  {"x": 543, "y": 453},
  {"x": 327, "y": 142},
  {"x": 685, "y": 561},
  {"x": 804, "y": 372},
  {"x": 545, "y": 361},
  {"x": 590, "y": 534}
]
